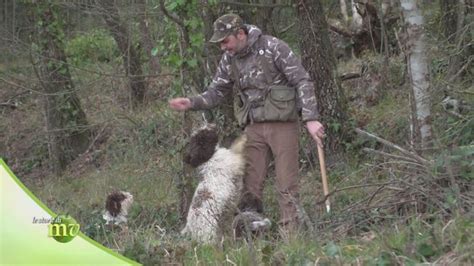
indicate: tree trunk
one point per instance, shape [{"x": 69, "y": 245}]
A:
[
  {"x": 223, "y": 115},
  {"x": 386, "y": 7},
  {"x": 318, "y": 58},
  {"x": 211, "y": 51},
  {"x": 66, "y": 123},
  {"x": 186, "y": 188},
  {"x": 190, "y": 80},
  {"x": 418, "y": 69},
  {"x": 130, "y": 56},
  {"x": 147, "y": 41},
  {"x": 454, "y": 14},
  {"x": 449, "y": 19},
  {"x": 263, "y": 17},
  {"x": 365, "y": 27}
]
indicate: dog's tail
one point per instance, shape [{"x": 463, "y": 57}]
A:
[{"x": 239, "y": 144}]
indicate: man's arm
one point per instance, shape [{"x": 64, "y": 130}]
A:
[
  {"x": 290, "y": 65},
  {"x": 220, "y": 87}
]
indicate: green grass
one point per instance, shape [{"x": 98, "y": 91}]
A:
[
  {"x": 141, "y": 154},
  {"x": 152, "y": 234},
  {"x": 142, "y": 157}
]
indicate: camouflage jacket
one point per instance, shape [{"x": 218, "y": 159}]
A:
[{"x": 284, "y": 66}]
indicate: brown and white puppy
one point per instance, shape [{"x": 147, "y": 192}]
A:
[
  {"x": 117, "y": 205},
  {"x": 215, "y": 198}
]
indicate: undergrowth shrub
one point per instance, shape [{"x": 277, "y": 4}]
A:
[
  {"x": 144, "y": 136},
  {"x": 91, "y": 47}
]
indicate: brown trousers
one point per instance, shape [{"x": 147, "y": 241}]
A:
[{"x": 279, "y": 139}]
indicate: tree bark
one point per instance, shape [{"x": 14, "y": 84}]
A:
[
  {"x": 318, "y": 58},
  {"x": 418, "y": 69},
  {"x": 263, "y": 18},
  {"x": 449, "y": 19},
  {"x": 130, "y": 56},
  {"x": 66, "y": 122},
  {"x": 211, "y": 51},
  {"x": 454, "y": 14},
  {"x": 386, "y": 5},
  {"x": 223, "y": 115}
]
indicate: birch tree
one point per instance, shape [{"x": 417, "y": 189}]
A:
[
  {"x": 357, "y": 20},
  {"x": 343, "y": 5},
  {"x": 419, "y": 74}
]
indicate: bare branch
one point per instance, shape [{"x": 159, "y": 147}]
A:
[
  {"x": 350, "y": 75},
  {"x": 286, "y": 28},
  {"x": 11, "y": 83},
  {"x": 7, "y": 104},
  {"x": 369, "y": 150},
  {"x": 338, "y": 27},
  {"x": 392, "y": 145},
  {"x": 254, "y": 5},
  {"x": 176, "y": 19},
  {"x": 351, "y": 187},
  {"x": 171, "y": 16},
  {"x": 452, "y": 78}
]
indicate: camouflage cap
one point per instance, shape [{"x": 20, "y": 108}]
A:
[{"x": 224, "y": 26}]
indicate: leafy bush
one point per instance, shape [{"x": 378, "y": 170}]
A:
[{"x": 93, "y": 46}]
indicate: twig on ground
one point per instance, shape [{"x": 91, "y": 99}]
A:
[
  {"x": 384, "y": 205},
  {"x": 374, "y": 194},
  {"x": 430, "y": 196},
  {"x": 392, "y": 145},
  {"x": 11, "y": 105},
  {"x": 351, "y": 75},
  {"x": 369, "y": 150},
  {"x": 351, "y": 187}
]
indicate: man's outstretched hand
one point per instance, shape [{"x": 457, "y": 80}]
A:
[{"x": 180, "y": 104}]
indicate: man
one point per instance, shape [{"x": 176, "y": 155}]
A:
[{"x": 270, "y": 87}]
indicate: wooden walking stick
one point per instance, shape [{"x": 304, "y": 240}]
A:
[{"x": 322, "y": 166}]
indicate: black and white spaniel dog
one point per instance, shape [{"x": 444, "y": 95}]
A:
[
  {"x": 215, "y": 199},
  {"x": 117, "y": 205}
]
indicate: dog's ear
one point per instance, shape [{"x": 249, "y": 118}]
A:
[
  {"x": 207, "y": 138},
  {"x": 201, "y": 147},
  {"x": 113, "y": 203}
]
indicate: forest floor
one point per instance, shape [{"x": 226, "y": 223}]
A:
[{"x": 385, "y": 209}]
